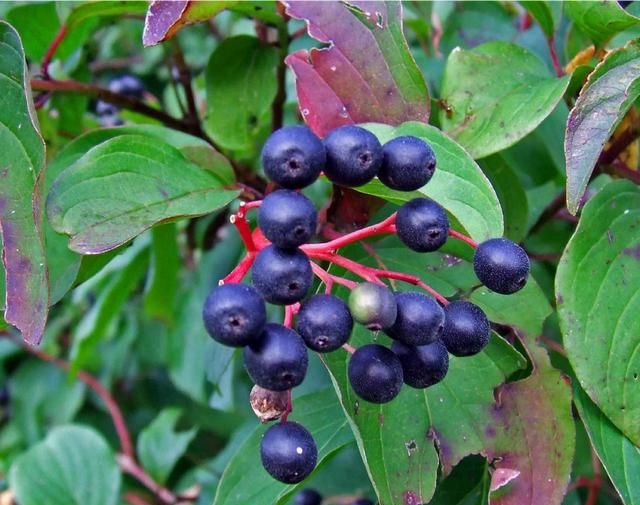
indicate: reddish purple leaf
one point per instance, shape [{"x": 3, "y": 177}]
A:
[
  {"x": 22, "y": 156},
  {"x": 162, "y": 18},
  {"x": 366, "y": 74}
]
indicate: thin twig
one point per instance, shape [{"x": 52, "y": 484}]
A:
[{"x": 277, "y": 108}]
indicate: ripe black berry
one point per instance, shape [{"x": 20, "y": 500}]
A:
[
  {"x": 324, "y": 323},
  {"x": 420, "y": 319},
  {"x": 234, "y": 314},
  {"x": 501, "y": 265},
  {"x": 278, "y": 361},
  {"x": 408, "y": 163},
  {"x": 424, "y": 365},
  {"x": 128, "y": 85},
  {"x": 288, "y": 219},
  {"x": 422, "y": 225},
  {"x": 293, "y": 157},
  {"x": 282, "y": 276},
  {"x": 466, "y": 329},
  {"x": 288, "y": 452},
  {"x": 307, "y": 496},
  {"x": 375, "y": 373},
  {"x": 373, "y": 305},
  {"x": 354, "y": 156}
]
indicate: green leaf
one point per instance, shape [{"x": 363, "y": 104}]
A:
[
  {"x": 21, "y": 158},
  {"x": 73, "y": 466},
  {"x": 245, "y": 481},
  {"x": 125, "y": 185},
  {"x": 160, "y": 446},
  {"x": 88, "y": 10},
  {"x": 542, "y": 13},
  {"x": 400, "y": 441},
  {"x": 39, "y": 23},
  {"x": 162, "y": 283},
  {"x": 108, "y": 305},
  {"x": 512, "y": 196},
  {"x": 458, "y": 183},
  {"x": 599, "y": 20},
  {"x": 486, "y": 118},
  {"x": 241, "y": 85},
  {"x": 42, "y": 397},
  {"x": 598, "y": 302},
  {"x": 610, "y": 91},
  {"x": 620, "y": 458}
]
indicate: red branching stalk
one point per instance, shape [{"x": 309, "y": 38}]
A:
[
  {"x": 127, "y": 458},
  {"x": 289, "y": 312},
  {"x": 327, "y": 252},
  {"x": 289, "y": 409},
  {"x": 554, "y": 57},
  {"x": 464, "y": 238},
  {"x": 349, "y": 348},
  {"x": 48, "y": 56}
]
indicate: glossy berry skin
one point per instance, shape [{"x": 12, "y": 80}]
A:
[
  {"x": 373, "y": 305},
  {"x": 423, "y": 365},
  {"x": 354, "y": 156},
  {"x": 307, "y": 496},
  {"x": 420, "y": 319},
  {"x": 293, "y": 157},
  {"x": 288, "y": 452},
  {"x": 422, "y": 225},
  {"x": 408, "y": 163},
  {"x": 288, "y": 219},
  {"x": 128, "y": 85},
  {"x": 501, "y": 265},
  {"x": 234, "y": 314},
  {"x": 375, "y": 373},
  {"x": 282, "y": 276},
  {"x": 466, "y": 329},
  {"x": 324, "y": 323},
  {"x": 278, "y": 360}
]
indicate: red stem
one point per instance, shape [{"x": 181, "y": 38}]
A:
[
  {"x": 131, "y": 467},
  {"x": 329, "y": 279},
  {"x": 464, "y": 238},
  {"x": 240, "y": 270},
  {"x": 349, "y": 348},
  {"x": 48, "y": 56},
  {"x": 412, "y": 279},
  {"x": 554, "y": 57},
  {"x": 239, "y": 219},
  {"x": 289, "y": 409},
  {"x": 386, "y": 226}
]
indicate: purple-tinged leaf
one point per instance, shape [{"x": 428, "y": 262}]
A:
[
  {"x": 21, "y": 158},
  {"x": 166, "y": 17},
  {"x": 531, "y": 435},
  {"x": 366, "y": 74},
  {"x": 611, "y": 89}
]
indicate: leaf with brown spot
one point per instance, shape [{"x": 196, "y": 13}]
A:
[
  {"x": 367, "y": 72},
  {"x": 21, "y": 159}
]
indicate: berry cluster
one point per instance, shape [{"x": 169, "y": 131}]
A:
[
  {"x": 424, "y": 329},
  {"x": 310, "y": 496},
  {"x": 127, "y": 85}
]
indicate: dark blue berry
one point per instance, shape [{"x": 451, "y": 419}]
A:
[
  {"x": 466, "y": 329},
  {"x": 106, "y": 109},
  {"x": 324, "y": 323},
  {"x": 288, "y": 452},
  {"x": 373, "y": 305},
  {"x": 128, "y": 85},
  {"x": 423, "y": 365},
  {"x": 234, "y": 314},
  {"x": 282, "y": 276},
  {"x": 278, "y": 360},
  {"x": 293, "y": 157},
  {"x": 375, "y": 373},
  {"x": 422, "y": 225},
  {"x": 420, "y": 319},
  {"x": 354, "y": 156},
  {"x": 288, "y": 219},
  {"x": 307, "y": 496},
  {"x": 501, "y": 265},
  {"x": 408, "y": 163}
]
